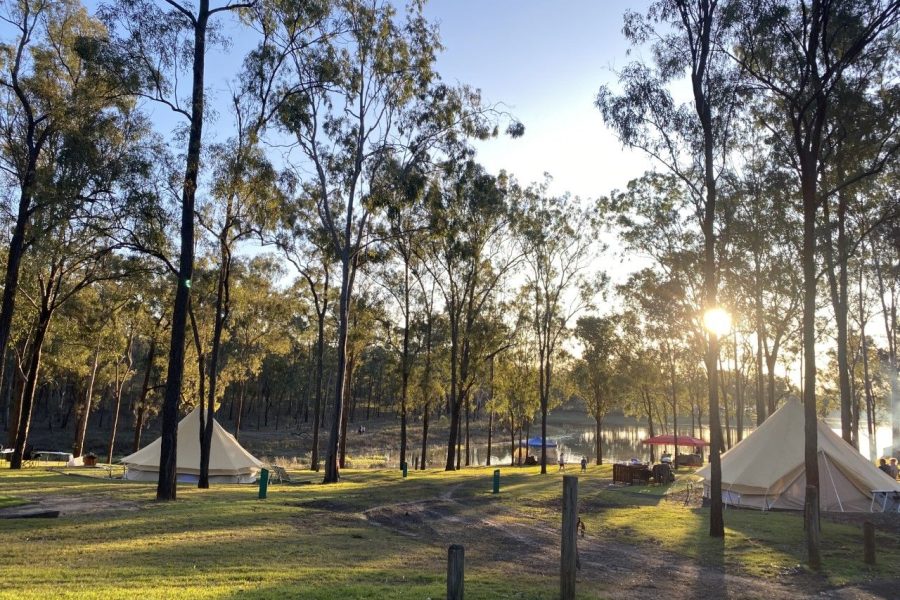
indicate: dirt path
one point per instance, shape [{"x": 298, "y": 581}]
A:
[
  {"x": 69, "y": 504},
  {"x": 496, "y": 532}
]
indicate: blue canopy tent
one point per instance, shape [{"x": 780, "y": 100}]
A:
[{"x": 536, "y": 442}]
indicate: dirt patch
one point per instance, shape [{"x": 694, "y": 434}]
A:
[
  {"x": 500, "y": 533},
  {"x": 412, "y": 519},
  {"x": 70, "y": 505},
  {"x": 326, "y": 505}
]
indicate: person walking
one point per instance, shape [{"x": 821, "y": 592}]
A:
[
  {"x": 562, "y": 461},
  {"x": 584, "y": 464}
]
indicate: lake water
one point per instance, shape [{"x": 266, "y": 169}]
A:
[{"x": 620, "y": 442}]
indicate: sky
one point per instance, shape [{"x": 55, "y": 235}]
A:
[
  {"x": 542, "y": 61},
  {"x": 545, "y": 62}
]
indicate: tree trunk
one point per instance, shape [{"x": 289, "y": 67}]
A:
[
  {"x": 468, "y": 410},
  {"x": 351, "y": 363},
  {"x": 424, "y": 435},
  {"x": 19, "y": 390},
  {"x": 811, "y": 462},
  {"x": 85, "y": 412},
  {"x": 837, "y": 285},
  {"x": 29, "y": 388},
  {"x": 490, "y": 433},
  {"x": 332, "y": 472},
  {"x": 454, "y": 383},
  {"x": 223, "y": 308},
  {"x": 166, "y": 488},
  {"x": 597, "y": 439},
  {"x": 320, "y": 372},
  {"x": 242, "y": 388},
  {"x": 404, "y": 362},
  {"x": 115, "y": 422}
]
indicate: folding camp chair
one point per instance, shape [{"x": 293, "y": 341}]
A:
[{"x": 280, "y": 474}]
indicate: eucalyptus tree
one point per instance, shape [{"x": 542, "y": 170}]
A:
[
  {"x": 257, "y": 326},
  {"x": 468, "y": 255},
  {"x": 307, "y": 248},
  {"x": 557, "y": 241},
  {"x": 157, "y": 44},
  {"x": 428, "y": 334},
  {"x": 886, "y": 267},
  {"x": 860, "y": 141},
  {"x": 344, "y": 129},
  {"x": 761, "y": 257},
  {"x": 97, "y": 164},
  {"x": 667, "y": 327},
  {"x": 402, "y": 190},
  {"x": 516, "y": 394},
  {"x": 596, "y": 371},
  {"x": 692, "y": 141},
  {"x": 46, "y": 89},
  {"x": 71, "y": 259},
  {"x": 244, "y": 195},
  {"x": 800, "y": 56},
  {"x": 104, "y": 316},
  {"x": 377, "y": 101}
]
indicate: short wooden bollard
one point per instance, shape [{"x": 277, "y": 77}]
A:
[
  {"x": 496, "y": 481},
  {"x": 869, "y": 543},
  {"x": 569, "y": 554},
  {"x": 455, "y": 572}
]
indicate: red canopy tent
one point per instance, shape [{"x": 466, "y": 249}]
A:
[{"x": 669, "y": 440}]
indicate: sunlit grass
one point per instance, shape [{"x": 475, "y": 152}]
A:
[
  {"x": 9, "y": 501},
  {"x": 313, "y": 541}
]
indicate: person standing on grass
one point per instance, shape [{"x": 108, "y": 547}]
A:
[
  {"x": 562, "y": 461},
  {"x": 584, "y": 464}
]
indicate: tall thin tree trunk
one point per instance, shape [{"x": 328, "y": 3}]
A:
[
  {"x": 166, "y": 486},
  {"x": 29, "y": 388},
  {"x": 85, "y": 412}
]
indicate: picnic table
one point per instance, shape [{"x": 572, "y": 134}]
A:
[
  {"x": 628, "y": 473},
  {"x": 886, "y": 500},
  {"x": 51, "y": 456}
]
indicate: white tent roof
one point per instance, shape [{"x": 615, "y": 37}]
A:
[
  {"x": 227, "y": 456},
  {"x": 769, "y": 465}
]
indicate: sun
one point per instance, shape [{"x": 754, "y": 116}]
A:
[{"x": 717, "y": 321}]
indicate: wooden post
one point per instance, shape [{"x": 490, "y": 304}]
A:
[
  {"x": 811, "y": 523},
  {"x": 869, "y": 543},
  {"x": 569, "y": 554},
  {"x": 455, "y": 569}
]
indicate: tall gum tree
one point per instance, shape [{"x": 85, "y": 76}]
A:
[
  {"x": 556, "y": 238},
  {"x": 797, "y": 54},
  {"x": 468, "y": 256},
  {"x": 48, "y": 86},
  {"x": 154, "y": 37},
  {"x": 692, "y": 141}
]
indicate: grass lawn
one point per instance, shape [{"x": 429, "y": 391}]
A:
[
  {"x": 313, "y": 541},
  {"x": 9, "y": 502}
]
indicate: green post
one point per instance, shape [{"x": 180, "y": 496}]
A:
[
  {"x": 496, "y": 481},
  {"x": 403, "y": 468},
  {"x": 263, "y": 483}
]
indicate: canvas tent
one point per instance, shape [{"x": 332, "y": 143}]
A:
[
  {"x": 228, "y": 461},
  {"x": 766, "y": 470}
]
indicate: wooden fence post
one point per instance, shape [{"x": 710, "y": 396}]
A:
[
  {"x": 569, "y": 554},
  {"x": 869, "y": 543},
  {"x": 455, "y": 572}
]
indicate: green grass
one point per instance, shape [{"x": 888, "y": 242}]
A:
[
  {"x": 311, "y": 541},
  {"x": 9, "y": 502}
]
